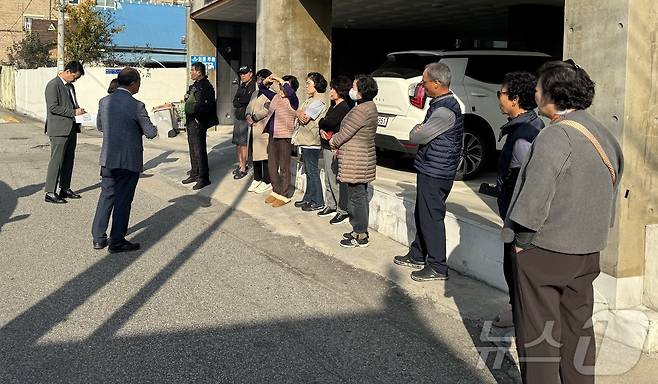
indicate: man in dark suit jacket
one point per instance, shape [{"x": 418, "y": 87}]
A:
[
  {"x": 201, "y": 114},
  {"x": 62, "y": 107},
  {"x": 123, "y": 121}
]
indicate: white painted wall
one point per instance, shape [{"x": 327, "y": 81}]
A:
[{"x": 158, "y": 86}]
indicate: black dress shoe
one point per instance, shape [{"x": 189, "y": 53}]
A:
[
  {"x": 300, "y": 203},
  {"x": 100, "y": 244},
  {"x": 428, "y": 274},
  {"x": 189, "y": 180},
  {"x": 123, "y": 247},
  {"x": 200, "y": 184},
  {"x": 69, "y": 194},
  {"x": 54, "y": 198}
]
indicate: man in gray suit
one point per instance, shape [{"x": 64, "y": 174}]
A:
[
  {"x": 62, "y": 107},
  {"x": 123, "y": 121}
]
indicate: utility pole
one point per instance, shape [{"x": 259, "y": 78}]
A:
[{"x": 60, "y": 34}]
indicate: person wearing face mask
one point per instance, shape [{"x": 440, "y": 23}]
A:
[
  {"x": 561, "y": 211},
  {"x": 257, "y": 111},
  {"x": 357, "y": 157},
  {"x": 280, "y": 125},
  {"x": 517, "y": 100}
]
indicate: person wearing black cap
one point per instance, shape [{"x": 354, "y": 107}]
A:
[{"x": 241, "y": 127}]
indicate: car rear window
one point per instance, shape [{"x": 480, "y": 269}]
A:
[
  {"x": 492, "y": 69},
  {"x": 404, "y": 65}
]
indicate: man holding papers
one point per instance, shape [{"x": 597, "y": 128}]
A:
[{"x": 62, "y": 108}]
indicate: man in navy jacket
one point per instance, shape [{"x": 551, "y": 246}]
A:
[{"x": 439, "y": 140}]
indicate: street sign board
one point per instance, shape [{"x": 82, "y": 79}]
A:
[{"x": 209, "y": 61}]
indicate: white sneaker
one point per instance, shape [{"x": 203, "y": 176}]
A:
[
  {"x": 254, "y": 184},
  {"x": 263, "y": 187}
]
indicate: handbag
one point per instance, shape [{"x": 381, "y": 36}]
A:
[{"x": 597, "y": 146}]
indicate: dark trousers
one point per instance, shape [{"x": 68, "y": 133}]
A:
[
  {"x": 60, "y": 167},
  {"x": 429, "y": 246},
  {"x": 311, "y": 158},
  {"x": 508, "y": 270},
  {"x": 278, "y": 153},
  {"x": 117, "y": 192},
  {"x": 553, "y": 305},
  {"x": 261, "y": 171},
  {"x": 335, "y": 191},
  {"x": 196, "y": 139},
  {"x": 358, "y": 206}
]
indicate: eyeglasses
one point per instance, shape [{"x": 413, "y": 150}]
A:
[{"x": 498, "y": 93}]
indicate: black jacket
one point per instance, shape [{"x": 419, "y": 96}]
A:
[
  {"x": 525, "y": 126},
  {"x": 205, "y": 109},
  {"x": 332, "y": 119},
  {"x": 242, "y": 98}
]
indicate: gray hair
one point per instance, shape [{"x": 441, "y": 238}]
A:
[{"x": 439, "y": 72}]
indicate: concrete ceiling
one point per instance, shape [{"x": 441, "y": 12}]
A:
[{"x": 473, "y": 16}]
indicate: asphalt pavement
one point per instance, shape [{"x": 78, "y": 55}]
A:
[{"x": 221, "y": 290}]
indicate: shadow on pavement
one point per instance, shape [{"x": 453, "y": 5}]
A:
[
  {"x": 9, "y": 200},
  {"x": 357, "y": 346}
]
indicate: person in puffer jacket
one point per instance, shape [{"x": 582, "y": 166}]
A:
[
  {"x": 357, "y": 157},
  {"x": 439, "y": 140}
]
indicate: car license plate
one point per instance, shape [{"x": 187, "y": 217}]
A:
[{"x": 382, "y": 121}]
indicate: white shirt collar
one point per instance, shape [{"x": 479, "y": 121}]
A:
[
  {"x": 123, "y": 89},
  {"x": 63, "y": 81}
]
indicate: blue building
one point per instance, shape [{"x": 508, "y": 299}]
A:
[{"x": 153, "y": 34}]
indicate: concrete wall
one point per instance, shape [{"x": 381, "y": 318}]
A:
[
  {"x": 8, "y": 87},
  {"x": 294, "y": 37},
  {"x": 158, "y": 86},
  {"x": 473, "y": 249},
  {"x": 616, "y": 42},
  {"x": 651, "y": 268}
]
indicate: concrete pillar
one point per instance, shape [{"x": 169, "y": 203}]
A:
[
  {"x": 294, "y": 37},
  {"x": 616, "y": 42},
  {"x": 201, "y": 40}
]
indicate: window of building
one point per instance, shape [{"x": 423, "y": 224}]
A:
[
  {"x": 106, "y": 4},
  {"x": 27, "y": 24},
  {"x": 27, "y": 21}
]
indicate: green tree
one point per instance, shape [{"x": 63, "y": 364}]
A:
[
  {"x": 30, "y": 52},
  {"x": 89, "y": 32}
]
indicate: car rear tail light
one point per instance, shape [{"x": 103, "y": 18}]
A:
[{"x": 417, "y": 95}]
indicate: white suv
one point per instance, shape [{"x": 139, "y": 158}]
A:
[{"x": 476, "y": 77}]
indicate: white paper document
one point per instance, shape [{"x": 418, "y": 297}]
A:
[{"x": 86, "y": 119}]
